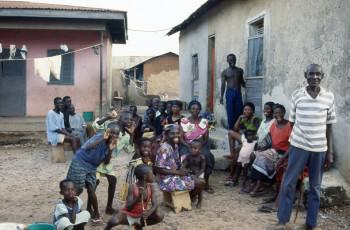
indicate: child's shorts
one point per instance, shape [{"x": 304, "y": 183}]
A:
[{"x": 133, "y": 220}]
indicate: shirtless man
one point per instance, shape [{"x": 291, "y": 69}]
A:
[{"x": 233, "y": 78}]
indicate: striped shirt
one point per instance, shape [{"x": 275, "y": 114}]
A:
[{"x": 310, "y": 117}]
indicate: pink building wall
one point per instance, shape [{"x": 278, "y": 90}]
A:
[{"x": 85, "y": 91}]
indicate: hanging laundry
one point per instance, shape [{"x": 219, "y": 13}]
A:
[
  {"x": 44, "y": 67},
  {"x": 24, "y": 51},
  {"x": 12, "y": 51},
  {"x": 55, "y": 66}
]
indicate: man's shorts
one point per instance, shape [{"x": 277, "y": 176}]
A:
[{"x": 80, "y": 175}]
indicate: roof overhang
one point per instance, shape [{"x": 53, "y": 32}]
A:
[
  {"x": 115, "y": 22},
  {"x": 203, "y": 9}
]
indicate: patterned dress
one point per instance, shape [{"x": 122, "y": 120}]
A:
[{"x": 168, "y": 158}]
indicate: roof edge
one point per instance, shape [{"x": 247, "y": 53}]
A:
[{"x": 194, "y": 16}]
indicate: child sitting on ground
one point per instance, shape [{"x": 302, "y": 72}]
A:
[
  {"x": 244, "y": 157},
  {"x": 68, "y": 213},
  {"x": 140, "y": 194},
  {"x": 194, "y": 164}
]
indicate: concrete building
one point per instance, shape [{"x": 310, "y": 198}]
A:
[
  {"x": 43, "y": 28},
  {"x": 144, "y": 77},
  {"x": 274, "y": 41}
]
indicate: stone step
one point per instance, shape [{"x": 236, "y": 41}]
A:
[{"x": 22, "y": 137}]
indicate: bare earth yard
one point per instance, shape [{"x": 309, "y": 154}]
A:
[{"x": 29, "y": 189}]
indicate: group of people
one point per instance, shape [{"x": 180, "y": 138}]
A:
[
  {"x": 172, "y": 147},
  {"x": 280, "y": 150},
  {"x": 176, "y": 150}
]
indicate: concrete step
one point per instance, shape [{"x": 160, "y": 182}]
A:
[
  {"x": 220, "y": 147},
  {"x": 22, "y": 124},
  {"x": 22, "y": 138}
]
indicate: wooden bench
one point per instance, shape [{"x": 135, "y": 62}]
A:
[{"x": 177, "y": 200}]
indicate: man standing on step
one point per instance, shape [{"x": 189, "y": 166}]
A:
[
  {"x": 233, "y": 78},
  {"x": 312, "y": 114}
]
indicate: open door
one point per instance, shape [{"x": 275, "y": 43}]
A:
[{"x": 211, "y": 73}]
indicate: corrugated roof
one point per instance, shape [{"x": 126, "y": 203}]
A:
[
  {"x": 151, "y": 58},
  {"x": 47, "y": 6},
  {"x": 203, "y": 9}
]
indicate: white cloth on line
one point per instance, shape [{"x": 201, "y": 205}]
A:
[
  {"x": 55, "y": 66},
  {"x": 44, "y": 66},
  {"x": 12, "y": 51}
]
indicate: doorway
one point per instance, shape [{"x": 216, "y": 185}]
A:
[
  {"x": 12, "y": 85},
  {"x": 211, "y": 73}
]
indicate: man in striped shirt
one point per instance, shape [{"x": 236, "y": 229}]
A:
[{"x": 312, "y": 114}]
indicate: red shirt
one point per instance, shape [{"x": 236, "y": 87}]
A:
[{"x": 280, "y": 136}]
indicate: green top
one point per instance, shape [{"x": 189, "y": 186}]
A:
[
  {"x": 250, "y": 124},
  {"x": 123, "y": 143}
]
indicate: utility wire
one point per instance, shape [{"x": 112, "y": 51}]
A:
[
  {"x": 149, "y": 31},
  {"x": 74, "y": 51}
]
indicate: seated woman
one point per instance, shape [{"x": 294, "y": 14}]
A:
[
  {"x": 247, "y": 121},
  {"x": 197, "y": 128},
  {"x": 266, "y": 123},
  {"x": 168, "y": 164},
  {"x": 274, "y": 147},
  {"x": 175, "y": 116}
]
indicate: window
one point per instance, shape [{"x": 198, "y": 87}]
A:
[
  {"x": 67, "y": 67},
  {"x": 195, "y": 77},
  {"x": 195, "y": 73},
  {"x": 255, "y": 48}
]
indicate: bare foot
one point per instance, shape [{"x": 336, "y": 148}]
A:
[{"x": 199, "y": 205}]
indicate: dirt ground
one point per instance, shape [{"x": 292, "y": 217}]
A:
[{"x": 29, "y": 189}]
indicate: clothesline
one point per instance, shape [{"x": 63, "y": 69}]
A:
[{"x": 74, "y": 51}]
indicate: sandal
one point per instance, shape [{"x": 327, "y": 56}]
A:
[
  {"x": 267, "y": 209},
  {"x": 97, "y": 221},
  {"x": 258, "y": 193}
]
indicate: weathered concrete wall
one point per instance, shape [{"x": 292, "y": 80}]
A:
[
  {"x": 193, "y": 43},
  {"x": 165, "y": 84},
  {"x": 162, "y": 75},
  {"x": 296, "y": 33}
]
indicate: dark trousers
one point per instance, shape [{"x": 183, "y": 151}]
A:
[{"x": 297, "y": 160}]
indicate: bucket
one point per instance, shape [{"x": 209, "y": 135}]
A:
[
  {"x": 88, "y": 116},
  {"x": 41, "y": 226}
]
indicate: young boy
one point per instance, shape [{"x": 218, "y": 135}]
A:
[
  {"x": 139, "y": 195},
  {"x": 68, "y": 213},
  {"x": 194, "y": 164},
  {"x": 82, "y": 170},
  {"x": 145, "y": 151},
  {"x": 244, "y": 157}
]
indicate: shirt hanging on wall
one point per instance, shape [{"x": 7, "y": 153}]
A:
[
  {"x": 43, "y": 67},
  {"x": 12, "y": 51}
]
